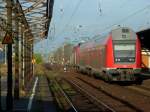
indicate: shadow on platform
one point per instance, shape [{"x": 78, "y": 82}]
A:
[{"x": 21, "y": 105}]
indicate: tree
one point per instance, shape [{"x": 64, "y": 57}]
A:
[{"x": 38, "y": 58}]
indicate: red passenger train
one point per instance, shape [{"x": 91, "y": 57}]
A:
[{"x": 116, "y": 57}]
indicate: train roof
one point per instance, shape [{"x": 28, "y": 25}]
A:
[
  {"x": 99, "y": 41},
  {"x": 117, "y": 34}
]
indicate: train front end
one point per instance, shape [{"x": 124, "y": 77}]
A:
[{"x": 124, "y": 48}]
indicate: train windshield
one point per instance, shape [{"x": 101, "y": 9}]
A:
[{"x": 124, "y": 53}]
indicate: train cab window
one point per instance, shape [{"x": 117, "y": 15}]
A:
[
  {"x": 124, "y": 47},
  {"x": 124, "y": 53}
]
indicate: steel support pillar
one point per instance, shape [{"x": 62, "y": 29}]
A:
[
  {"x": 32, "y": 65},
  {"x": 9, "y": 99},
  {"x": 16, "y": 88},
  {"x": 22, "y": 59},
  {"x": 25, "y": 61},
  {"x": 0, "y": 91}
]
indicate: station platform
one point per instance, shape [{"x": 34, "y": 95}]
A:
[
  {"x": 38, "y": 100},
  {"x": 43, "y": 97}
]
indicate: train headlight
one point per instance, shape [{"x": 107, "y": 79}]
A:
[
  {"x": 131, "y": 59},
  {"x": 117, "y": 59}
]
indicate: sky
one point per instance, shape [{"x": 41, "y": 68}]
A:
[{"x": 74, "y": 21}]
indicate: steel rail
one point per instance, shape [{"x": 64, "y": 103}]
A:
[
  {"x": 66, "y": 96},
  {"x": 83, "y": 90},
  {"x": 140, "y": 90}
]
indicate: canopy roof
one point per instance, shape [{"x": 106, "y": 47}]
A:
[{"x": 35, "y": 16}]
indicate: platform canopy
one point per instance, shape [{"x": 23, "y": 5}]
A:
[
  {"x": 144, "y": 36},
  {"x": 35, "y": 16}
]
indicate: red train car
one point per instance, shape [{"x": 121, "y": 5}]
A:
[{"x": 116, "y": 57}]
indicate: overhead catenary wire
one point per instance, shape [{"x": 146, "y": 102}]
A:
[
  {"x": 53, "y": 29},
  {"x": 104, "y": 29},
  {"x": 71, "y": 17},
  {"x": 126, "y": 18}
]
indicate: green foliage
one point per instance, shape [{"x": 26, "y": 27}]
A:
[{"x": 38, "y": 58}]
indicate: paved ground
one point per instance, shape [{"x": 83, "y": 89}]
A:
[
  {"x": 42, "y": 98},
  {"x": 3, "y": 92}
]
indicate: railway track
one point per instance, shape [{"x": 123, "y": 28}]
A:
[
  {"x": 140, "y": 90},
  {"x": 116, "y": 103},
  {"x": 84, "y": 101},
  {"x": 72, "y": 98},
  {"x": 123, "y": 102},
  {"x": 62, "y": 100}
]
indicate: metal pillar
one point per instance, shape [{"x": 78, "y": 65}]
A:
[
  {"x": 25, "y": 60},
  {"x": 9, "y": 99},
  {"x": 22, "y": 58},
  {"x": 0, "y": 91},
  {"x": 16, "y": 88},
  {"x": 32, "y": 68},
  {"x": 30, "y": 60}
]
